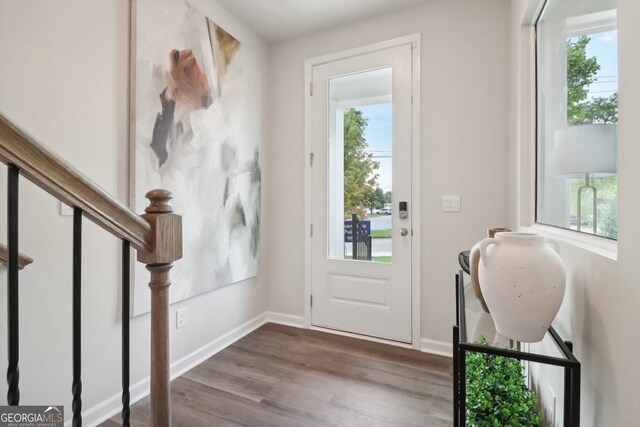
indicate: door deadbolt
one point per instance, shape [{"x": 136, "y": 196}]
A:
[{"x": 403, "y": 212}]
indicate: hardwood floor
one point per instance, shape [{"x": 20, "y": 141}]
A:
[{"x": 283, "y": 376}]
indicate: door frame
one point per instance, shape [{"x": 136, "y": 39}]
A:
[{"x": 416, "y": 271}]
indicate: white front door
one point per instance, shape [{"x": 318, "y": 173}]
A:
[{"x": 361, "y": 137}]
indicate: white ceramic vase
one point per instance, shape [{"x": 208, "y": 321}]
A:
[{"x": 522, "y": 280}]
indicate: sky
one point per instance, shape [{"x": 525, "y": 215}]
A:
[
  {"x": 604, "y": 46},
  {"x": 378, "y": 136}
]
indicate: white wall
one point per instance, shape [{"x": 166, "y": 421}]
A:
[
  {"x": 64, "y": 78},
  {"x": 600, "y": 310},
  {"x": 464, "y": 142}
]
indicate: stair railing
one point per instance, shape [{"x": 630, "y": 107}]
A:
[
  {"x": 23, "y": 260},
  {"x": 156, "y": 235}
]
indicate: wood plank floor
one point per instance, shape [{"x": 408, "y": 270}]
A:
[{"x": 283, "y": 376}]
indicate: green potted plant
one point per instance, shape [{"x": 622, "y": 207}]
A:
[{"x": 497, "y": 395}]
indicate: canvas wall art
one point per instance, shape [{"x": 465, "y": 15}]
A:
[{"x": 196, "y": 131}]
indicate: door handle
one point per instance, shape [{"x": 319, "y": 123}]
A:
[{"x": 404, "y": 231}]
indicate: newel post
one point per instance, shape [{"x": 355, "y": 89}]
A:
[{"x": 166, "y": 248}]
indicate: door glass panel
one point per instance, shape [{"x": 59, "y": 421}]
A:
[{"x": 360, "y": 207}]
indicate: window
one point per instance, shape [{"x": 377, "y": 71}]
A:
[
  {"x": 577, "y": 115},
  {"x": 360, "y": 166}
]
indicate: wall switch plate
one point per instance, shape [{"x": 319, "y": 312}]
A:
[
  {"x": 451, "y": 203},
  {"x": 181, "y": 318},
  {"x": 65, "y": 210}
]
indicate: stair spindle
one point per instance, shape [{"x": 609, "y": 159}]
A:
[
  {"x": 126, "y": 276},
  {"x": 13, "y": 371},
  {"x": 76, "y": 388}
]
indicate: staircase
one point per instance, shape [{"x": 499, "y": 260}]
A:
[{"x": 155, "y": 235}]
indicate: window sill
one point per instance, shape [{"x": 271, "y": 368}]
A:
[{"x": 598, "y": 245}]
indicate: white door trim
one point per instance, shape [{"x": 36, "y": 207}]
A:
[{"x": 416, "y": 273}]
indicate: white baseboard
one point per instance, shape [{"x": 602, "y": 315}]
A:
[
  {"x": 439, "y": 348},
  {"x": 285, "y": 319},
  {"x": 113, "y": 405},
  {"x": 181, "y": 366},
  {"x": 108, "y": 408}
]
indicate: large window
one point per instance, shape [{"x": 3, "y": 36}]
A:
[{"x": 577, "y": 115}]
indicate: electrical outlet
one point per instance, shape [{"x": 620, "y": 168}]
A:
[
  {"x": 551, "y": 408},
  {"x": 181, "y": 318}
]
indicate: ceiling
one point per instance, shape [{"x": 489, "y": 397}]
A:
[{"x": 277, "y": 20}]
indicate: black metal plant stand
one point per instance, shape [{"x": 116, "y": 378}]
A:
[{"x": 461, "y": 346}]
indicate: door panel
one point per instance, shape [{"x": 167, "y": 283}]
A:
[
  {"x": 359, "y": 290},
  {"x": 369, "y": 293}
]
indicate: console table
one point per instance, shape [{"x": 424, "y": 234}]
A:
[{"x": 464, "y": 342}]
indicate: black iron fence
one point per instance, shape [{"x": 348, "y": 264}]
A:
[{"x": 361, "y": 240}]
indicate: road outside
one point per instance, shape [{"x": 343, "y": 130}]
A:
[{"x": 382, "y": 222}]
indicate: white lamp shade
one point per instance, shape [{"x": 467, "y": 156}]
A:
[{"x": 586, "y": 149}]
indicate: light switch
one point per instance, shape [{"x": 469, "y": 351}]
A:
[{"x": 451, "y": 203}]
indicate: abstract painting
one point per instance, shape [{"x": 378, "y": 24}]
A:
[{"x": 196, "y": 130}]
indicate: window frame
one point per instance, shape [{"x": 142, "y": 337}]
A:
[{"x": 601, "y": 22}]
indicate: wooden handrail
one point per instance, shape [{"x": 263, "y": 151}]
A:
[
  {"x": 23, "y": 260},
  {"x": 63, "y": 181}
]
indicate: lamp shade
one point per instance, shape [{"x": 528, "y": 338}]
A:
[{"x": 586, "y": 149}]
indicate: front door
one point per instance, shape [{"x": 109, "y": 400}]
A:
[{"x": 361, "y": 194}]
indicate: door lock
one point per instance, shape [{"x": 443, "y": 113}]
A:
[{"x": 403, "y": 212}]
